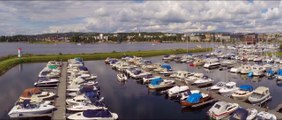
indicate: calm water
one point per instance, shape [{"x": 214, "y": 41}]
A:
[
  {"x": 11, "y": 48},
  {"x": 129, "y": 100}
]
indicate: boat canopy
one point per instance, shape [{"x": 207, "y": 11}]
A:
[
  {"x": 52, "y": 66},
  {"x": 247, "y": 87},
  {"x": 194, "y": 98},
  {"x": 239, "y": 114},
  {"x": 30, "y": 91},
  {"x": 156, "y": 81},
  {"x": 91, "y": 94},
  {"x": 166, "y": 66},
  {"x": 83, "y": 68},
  {"x": 97, "y": 113},
  {"x": 271, "y": 72},
  {"x": 279, "y": 72}
]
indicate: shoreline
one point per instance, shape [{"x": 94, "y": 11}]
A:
[{"x": 6, "y": 63}]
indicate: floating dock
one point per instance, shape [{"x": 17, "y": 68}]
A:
[{"x": 60, "y": 102}]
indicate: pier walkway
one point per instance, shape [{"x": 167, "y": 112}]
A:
[{"x": 60, "y": 101}]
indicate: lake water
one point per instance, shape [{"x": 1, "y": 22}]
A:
[
  {"x": 129, "y": 100},
  {"x": 11, "y": 48}
]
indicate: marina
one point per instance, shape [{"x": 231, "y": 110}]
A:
[{"x": 60, "y": 102}]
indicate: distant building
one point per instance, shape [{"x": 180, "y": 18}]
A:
[
  {"x": 251, "y": 38},
  {"x": 197, "y": 38}
]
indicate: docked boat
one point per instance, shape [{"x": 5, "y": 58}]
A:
[
  {"x": 186, "y": 94},
  {"x": 36, "y": 92},
  {"x": 121, "y": 77},
  {"x": 222, "y": 109},
  {"x": 96, "y": 114},
  {"x": 228, "y": 89},
  {"x": 265, "y": 116},
  {"x": 168, "y": 57},
  {"x": 157, "y": 84},
  {"x": 98, "y": 104},
  {"x": 195, "y": 98},
  {"x": 150, "y": 77},
  {"x": 84, "y": 98},
  {"x": 279, "y": 75},
  {"x": 26, "y": 108},
  {"x": 245, "y": 69},
  {"x": 235, "y": 69},
  {"x": 176, "y": 90},
  {"x": 212, "y": 63},
  {"x": 270, "y": 73},
  {"x": 205, "y": 80},
  {"x": 228, "y": 63},
  {"x": 218, "y": 86},
  {"x": 258, "y": 70},
  {"x": 243, "y": 93},
  {"x": 243, "y": 114},
  {"x": 259, "y": 95},
  {"x": 45, "y": 82},
  {"x": 198, "y": 62}
]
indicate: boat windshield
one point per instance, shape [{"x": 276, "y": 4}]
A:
[
  {"x": 229, "y": 86},
  {"x": 217, "y": 106},
  {"x": 256, "y": 95}
]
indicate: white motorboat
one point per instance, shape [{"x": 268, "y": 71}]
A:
[
  {"x": 148, "y": 78},
  {"x": 186, "y": 94},
  {"x": 227, "y": 63},
  {"x": 203, "y": 81},
  {"x": 97, "y": 114},
  {"x": 169, "y": 57},
  {"x": 85, "y": 106},
  {"x": 157, "y": 84},
  {"x": 36, "y": 92},
  {"x": 121, "y": 77},
  {"x": 222, "y": 109},
  {"x": 182, "y": 74},
  {"x": 176, "y": 90},
  {"x": 198, "y": 62},
  {"x": 259, "y": 95},
  {"x": 265, "y": 116},
  {"x": 76, "y": 87},
  {"x": 44, "y": 82},
  {"x": 218, "y": 85},
  {"x": 243, "y": 93},
  {"x": 212, "y": 63},
  {"x": 28, "y": 109},
  {"x": 258, "y": 70},
  {"x": 252, "y": 113},
  {"x": 235, "y": 69},
  {"x": 78, "y": 100},
  {"x": 245, "y": 69},
  {"x": 228, "y": 89}
]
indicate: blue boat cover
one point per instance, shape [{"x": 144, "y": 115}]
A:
[
  {"x": 246, "y": 87},
  {"x": 279, "y": 72},
  {"x": 250, "y": 74},
  {"x": 87, "y": 88},
  {"x": 239, "y": 114},
  {"x": 194, "y": 98},
  {"x": 166, "y": 66},
  {"x": 83, "y": 68},
  {"x": 156, "y": 81},
  {"x": 270, "y": 72},
  {"x": 97, "y": 113},
  {"x": 91, "y": 94}
]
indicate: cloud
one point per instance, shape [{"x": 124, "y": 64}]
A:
[{"x": 33, "y": 17}]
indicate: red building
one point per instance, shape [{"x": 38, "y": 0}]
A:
[{"x": 251, "y": 38}]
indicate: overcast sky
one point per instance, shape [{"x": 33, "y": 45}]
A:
[{"x": 34, "y": 17}]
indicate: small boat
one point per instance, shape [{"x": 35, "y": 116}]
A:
[
  {"x": 86, "y": 97},
  {"x": 150, "y": 77},
  {"x": 243, "y": 93},
  {"x": 279, "y": 75},
  {"x": 203, "y": 81},
  {"x": 252, "y": 113},
  {"x": 168, "y": 57},
  {"x": 245, "y": 69},
  {"x": 235, "y": 69},
  {"x": 212, "y": 63},
  {"x": 243, "y": 114},
  {"x": 270, "y": 73},
  {"x": 228, "y": 89},
  {"x": 45, "y": 82},
  {"x": 176, "y": 90},
  {"x": 96, "y": 114},
  {"x": 259, "y": 95},
  {"x": 36, "y": 92},
  {"x": 85, "y": 106},
  {"x": 198, "y": 62},
  {"x": 195, "y": 98},
  {"x": 222, "y": 109},
  {"x": 121, "y": 77},
  {"x": 186, "y": 94},
  {"x": 157, "y": 84},
  {"x": 26, "y": 108},
  {"x": 228, "y": 63},
  {"x": 218, "y": 85},
  {"x": 258, "y": 70},
  {"x": 265, "y": 116}
]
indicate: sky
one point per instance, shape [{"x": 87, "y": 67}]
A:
[{"x": 36, "y": 17}]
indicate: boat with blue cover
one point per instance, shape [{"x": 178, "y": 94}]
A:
[
  {"x": 97, "y": 114},
  {"x": 269, "y": 73},
  {"x": 279, "y": 75},
  {"x": 243, "y": 114},
  {"x": 243, "y": 93},
  {"x": 195, "y": 98},
  {"x": 159, "y": 83}
]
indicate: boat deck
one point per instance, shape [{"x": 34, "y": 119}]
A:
[{"x": 60, "y": 102}]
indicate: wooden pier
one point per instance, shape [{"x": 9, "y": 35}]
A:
[{"x": 60, "y": 102}]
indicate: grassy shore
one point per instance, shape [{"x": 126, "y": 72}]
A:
[{"x": 8, "y": 62}]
